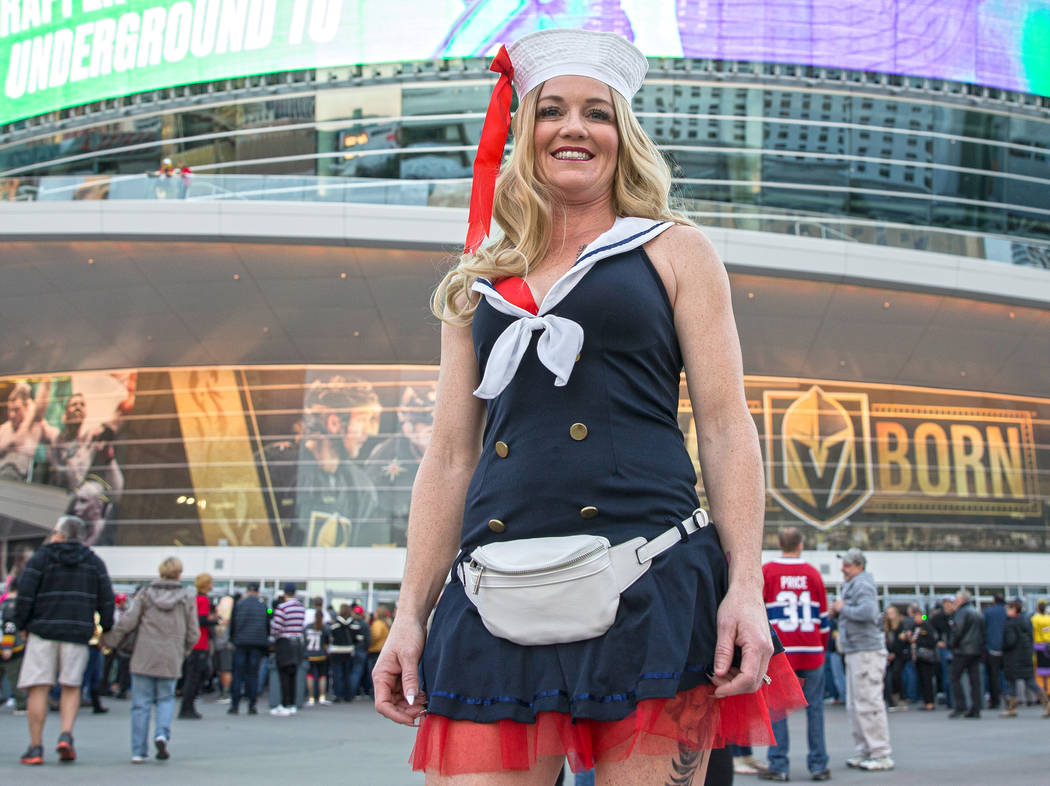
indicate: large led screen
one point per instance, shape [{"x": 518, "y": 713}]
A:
[
  {"x": 59, "y": 53},
  {"x": 326, "y": 456}
]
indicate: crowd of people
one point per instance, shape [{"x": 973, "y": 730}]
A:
[
  {"x": 881, "y": 661},
  {"x": 69, "y": 639}
]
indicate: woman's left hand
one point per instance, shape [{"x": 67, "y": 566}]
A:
[{"x": 742, "y": 622}]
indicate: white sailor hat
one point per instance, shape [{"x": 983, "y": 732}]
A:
[
  {"x": 607, "y": 57},
  {"x": 525, "y": 64}
]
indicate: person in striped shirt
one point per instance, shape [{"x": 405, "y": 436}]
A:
[
  {"x": 286, "y": 627},
  {"x": 797, "y": 605}
]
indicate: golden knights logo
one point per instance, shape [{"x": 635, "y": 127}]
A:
[{"x": 818, "y": 453}]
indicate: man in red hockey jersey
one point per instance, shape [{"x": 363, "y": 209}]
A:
[{"x": 797, "y": 604}]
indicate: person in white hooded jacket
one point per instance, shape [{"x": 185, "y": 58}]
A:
[{"x": 163, "y": 620}]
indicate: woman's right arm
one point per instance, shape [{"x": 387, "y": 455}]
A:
[{"x": 434, "y": 523}]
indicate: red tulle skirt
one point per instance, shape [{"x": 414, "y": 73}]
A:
[{"x": 694, "y": 718}]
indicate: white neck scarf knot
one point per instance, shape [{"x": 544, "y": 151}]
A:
[{"x": 561, "y": 339}]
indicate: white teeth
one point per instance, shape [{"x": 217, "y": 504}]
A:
[{"x": 572, "y": 155}]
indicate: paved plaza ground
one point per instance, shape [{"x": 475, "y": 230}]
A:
[{"x": 350, "y": 744}]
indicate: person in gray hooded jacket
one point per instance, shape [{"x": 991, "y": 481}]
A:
[
  {"x": 864, "y": 647},
  {"x": 163, "y": 621}
]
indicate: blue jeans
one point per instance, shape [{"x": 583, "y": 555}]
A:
[
  {"x": 146, "y": 691},
  {"x": 245, "y": 672},
  {"x": 357, "y": 673},
  {"x": 340, "y": 667},
  {"x": 92, "y": 674},
  {"x": 944, "y": 655},
  {"x": 817, "y": 761},
  {"x": 585, "y": 778},
  {"x": 838, "y": 673}
]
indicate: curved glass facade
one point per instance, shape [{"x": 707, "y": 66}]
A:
[
  {"x": 806, "y": 141},
  {"x": 326, "y": 456}
]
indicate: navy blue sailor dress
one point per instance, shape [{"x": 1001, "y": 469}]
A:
[{"x": 601, "y": 454}]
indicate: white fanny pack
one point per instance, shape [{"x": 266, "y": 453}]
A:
[{"x": 556, "y": 590}]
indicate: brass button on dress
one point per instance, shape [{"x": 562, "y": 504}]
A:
[
  {"x": 497, "y": 526},
  {"x": 589, "y": 512},
  {"x": 578, "y": 431},
  {"x": 502, "y": 450}
]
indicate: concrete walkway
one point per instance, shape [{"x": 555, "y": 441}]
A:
[{"x": 350, "y": 744}]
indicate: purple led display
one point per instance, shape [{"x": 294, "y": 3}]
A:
[{"x": 999, "y": 43}]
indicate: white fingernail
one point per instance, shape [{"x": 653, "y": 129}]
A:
[{"x": 410, "y": 697}]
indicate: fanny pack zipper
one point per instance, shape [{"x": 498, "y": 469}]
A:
[{"x": 598, "y": 549}]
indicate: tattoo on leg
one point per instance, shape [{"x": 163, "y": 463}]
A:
[{"x": 685, "y": 765}]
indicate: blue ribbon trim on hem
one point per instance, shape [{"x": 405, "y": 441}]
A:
[{"x": 488, "y": 701}]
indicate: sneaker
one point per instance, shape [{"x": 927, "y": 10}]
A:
[
  {"x": 751, "y": 761},
  {"x": 855, "y": 761},
  {"x": 292, "y": 710},
  {"x": 162, "y": 748},
  {"x": 325, "y": 703},
  {"x": 280, "y": 711},
  {"x": 223, "y": 700},
  {"x": 138, "y": 759},
  {"x": 823, "y": 775},
  {"x": 232, "y": 710},
  {"x": 310, "y": 702},
  {"x": 252, "y": 710},
  {"x": 65, "y": 749},
  {"x": 34, "y": 755},
  {"x": 741, "y": 767},
  {"x": 19, "y": 712},
  {"x": 872, "y": 765},
  {"x": 769, "y": 775}
]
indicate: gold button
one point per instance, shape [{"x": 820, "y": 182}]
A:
[
  {"x": 497, "y": 526},
  {"x": 502, "y": 450},
  {"x": 589, "y": 512},
  {"x": 578, "y": 356},
  {"x": 578, "y": 431}
]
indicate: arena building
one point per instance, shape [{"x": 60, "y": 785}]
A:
[{"x": 222, "y": 222}]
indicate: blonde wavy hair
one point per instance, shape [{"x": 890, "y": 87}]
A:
[{"x": 523, "y": 207}]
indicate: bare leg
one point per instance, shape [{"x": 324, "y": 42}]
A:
[
  {"x": 36, "y": 712},
  {"x": 687, "y": 768},
  {"x": 68, "y": 706},
  {"x": 324, "y": 688},
  {"x": 544, "y": 773}
]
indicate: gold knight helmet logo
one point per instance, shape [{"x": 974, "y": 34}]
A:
[{"x": 818, "y": 453}]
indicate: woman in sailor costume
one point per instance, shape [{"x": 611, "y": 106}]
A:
[{"x": 562, "y": 347}]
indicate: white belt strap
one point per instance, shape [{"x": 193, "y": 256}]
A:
[{"x": 661, "y": 543}]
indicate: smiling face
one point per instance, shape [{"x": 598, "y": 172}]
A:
[{"x": 575, "y": 138}]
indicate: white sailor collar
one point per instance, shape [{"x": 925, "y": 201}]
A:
[{"x": 561, "y": 339}]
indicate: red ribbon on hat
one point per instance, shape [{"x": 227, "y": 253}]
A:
[{"x": 490, "y": 152}]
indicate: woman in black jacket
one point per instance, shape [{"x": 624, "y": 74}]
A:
[
  {"x": 1017, "y": 661},
  {"x": 898, "y": 647},
  {"x": 924, "y": 642}
]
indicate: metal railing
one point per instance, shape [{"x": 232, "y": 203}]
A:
[{"x": 455, "y": 192}]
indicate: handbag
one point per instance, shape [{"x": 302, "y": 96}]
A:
[
  {"x": 925, "y": 655},
  {"x": 536, "y": 591}
]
